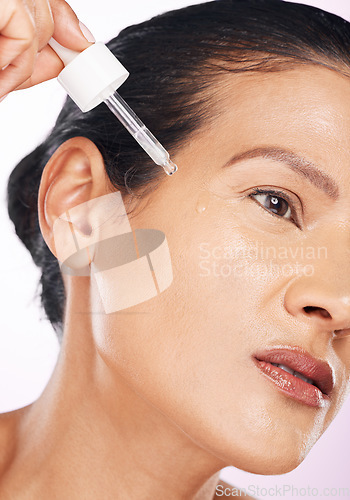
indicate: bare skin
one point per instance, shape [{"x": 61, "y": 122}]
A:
[
  {"x": 26, "y": 60},
  {"x": 155, "y": 403},
  {"x": 26, "y": 27}
]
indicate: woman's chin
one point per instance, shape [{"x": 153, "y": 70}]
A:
[
  {"x": 262, "y": 454},
  {"x": 269, "y": 464},
  {"x": 272, "y": 466}
]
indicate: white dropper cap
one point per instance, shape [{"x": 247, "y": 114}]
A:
[{"x": 91, "y": 76}]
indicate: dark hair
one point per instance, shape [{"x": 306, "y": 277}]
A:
[{"x": 174, "y": 60}]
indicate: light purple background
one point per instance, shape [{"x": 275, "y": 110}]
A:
[{"x": 28, "y": 347}]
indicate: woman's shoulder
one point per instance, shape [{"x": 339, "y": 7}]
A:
[
  {"x": 10, "y": 424},
  {"x": 8, "y": 431}
]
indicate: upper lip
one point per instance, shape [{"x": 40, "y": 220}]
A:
[{"x": 299, "y": 360}]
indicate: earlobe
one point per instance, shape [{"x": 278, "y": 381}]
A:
[{"x": 74, "y": 174}]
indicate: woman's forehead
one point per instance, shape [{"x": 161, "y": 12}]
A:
[
  {"x": 309, "y": 87},
  {"x": 307, "y": 107}
]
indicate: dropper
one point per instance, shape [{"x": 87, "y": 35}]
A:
[{"x": 92, "y": 77}]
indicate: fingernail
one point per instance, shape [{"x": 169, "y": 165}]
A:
[
  {"x": 86, "y": 32},
  {"x": 3, "y": 97},
  {"x": 3, "y": 69}
]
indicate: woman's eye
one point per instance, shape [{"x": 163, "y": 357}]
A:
[{"x": 273, "y": 203}]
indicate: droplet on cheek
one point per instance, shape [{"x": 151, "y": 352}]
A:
[{"x": 202, "y": 202}]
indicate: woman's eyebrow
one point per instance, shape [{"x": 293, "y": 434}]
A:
[{"x": 297, "y": 163}]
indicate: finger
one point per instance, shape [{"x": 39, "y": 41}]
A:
[
  {"x": 47, "y": 65},
  {"x": 17, "y": 31},
  {"x": 44, "y": 22},
  {"x": 17, "y": 71},
  {"x": 67, "y": 31}
]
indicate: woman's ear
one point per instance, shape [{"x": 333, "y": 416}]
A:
[{"x": 74, "y": 174}]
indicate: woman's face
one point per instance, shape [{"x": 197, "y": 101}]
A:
[{"x": 253, "y": 271}]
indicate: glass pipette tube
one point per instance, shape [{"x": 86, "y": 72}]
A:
[{"x": 140, "y": 132}]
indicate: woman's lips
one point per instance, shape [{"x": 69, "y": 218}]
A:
[{"x": 295, "y": 359}]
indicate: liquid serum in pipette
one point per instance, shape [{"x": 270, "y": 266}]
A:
[
  {"x": 92, "y": 77},
  {"x": 140, "y": 132}
]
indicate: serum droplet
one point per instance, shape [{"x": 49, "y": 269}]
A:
[{"x": 202, "y": 202}]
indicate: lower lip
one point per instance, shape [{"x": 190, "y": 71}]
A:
[{"x": 293, "y": 386}]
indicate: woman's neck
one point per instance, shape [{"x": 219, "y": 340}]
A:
[{"x": 89, "y": 435}]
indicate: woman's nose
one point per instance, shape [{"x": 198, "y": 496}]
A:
[{"x": 323, "y": 297}]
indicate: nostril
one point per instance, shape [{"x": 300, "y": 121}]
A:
[
  {"x": 339, "y": 334},
  {"x": 317, "y": 311}
]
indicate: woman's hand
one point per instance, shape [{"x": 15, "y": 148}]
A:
[{"x": 26, "y": 26}]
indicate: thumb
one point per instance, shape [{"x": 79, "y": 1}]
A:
[{"x": 68, "y": 30}]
